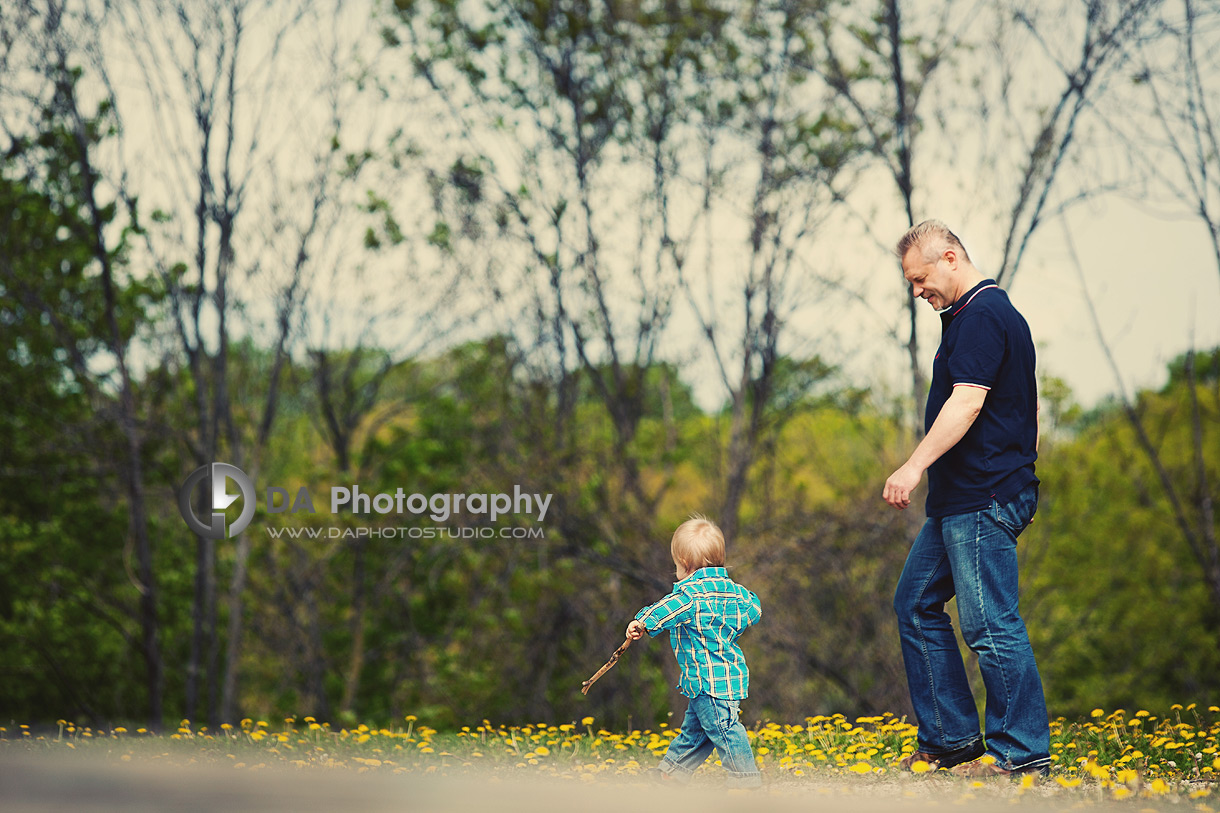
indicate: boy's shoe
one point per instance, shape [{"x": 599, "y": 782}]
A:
[
  {"x": 658, "y": 777},
  {"x": 946, "y": 760}
]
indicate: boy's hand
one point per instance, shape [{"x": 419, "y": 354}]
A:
[{"x": 636, "y": 630}]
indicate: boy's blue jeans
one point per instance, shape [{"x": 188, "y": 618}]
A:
[
  {"x": 972, "y": 556},
  {"x": 711, "y": 722}
]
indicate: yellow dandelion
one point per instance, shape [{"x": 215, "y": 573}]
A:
[
  {"x": 861, "y": 768},
  {"x": 920, "y": 766}
]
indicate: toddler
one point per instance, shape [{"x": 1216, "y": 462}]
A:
[{"x": 705, "y": 614}]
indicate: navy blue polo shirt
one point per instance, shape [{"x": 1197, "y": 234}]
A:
[{"x": 984, "y": 343}]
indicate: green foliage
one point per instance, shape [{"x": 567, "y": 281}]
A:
[
  {"x": 1118, "y": 610},
  {"x": 69, "y": 611}
]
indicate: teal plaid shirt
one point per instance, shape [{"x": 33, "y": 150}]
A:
[{"x": 705, "y": 614}]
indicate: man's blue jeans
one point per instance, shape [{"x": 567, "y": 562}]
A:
[
  {"x": 711, "y": 722},
  {"x": 972, "y": 556}
]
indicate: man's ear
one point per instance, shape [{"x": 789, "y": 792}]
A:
[{"x": 950, "y": 256}]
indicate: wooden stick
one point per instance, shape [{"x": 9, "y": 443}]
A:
[{"x": 584, "y": 687}]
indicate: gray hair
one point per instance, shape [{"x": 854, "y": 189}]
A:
[{"x": 932, "y": 237}]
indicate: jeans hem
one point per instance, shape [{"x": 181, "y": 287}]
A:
[
  {"x": 745, "y": 780},
  {"x": 956, "y": 756},
  {"x": 1041, "y": 765},
  {"x": 675, "y": 770}
]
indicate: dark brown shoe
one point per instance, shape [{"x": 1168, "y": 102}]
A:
[
  {"x": 946, "y": 760},
  {"x": 981, "y": 768},
  {"x": 919, "y": 756},
  {"x": 987, "y": 766}
]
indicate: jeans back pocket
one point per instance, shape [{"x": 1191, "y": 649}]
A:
[{"x": 1018, "y": 512}]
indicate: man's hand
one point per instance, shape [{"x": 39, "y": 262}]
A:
[
  {"x": 636, "y": 630},
  {"x": 955, "y": 418},
  {"x": 900, "y": 484}
]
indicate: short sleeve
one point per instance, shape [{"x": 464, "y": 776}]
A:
[{"x": 978, "y": 351}]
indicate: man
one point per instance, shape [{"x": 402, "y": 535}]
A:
[{"x": 979, "y": 452}]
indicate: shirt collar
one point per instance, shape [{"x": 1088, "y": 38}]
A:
[
  {"x": 947, "y": 315},
  {"x": 704, "y": 573},
  {"x": 965, "y": 298}
]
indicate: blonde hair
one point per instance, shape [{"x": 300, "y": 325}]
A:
[
  {"x": 931, "y": 237},
  {"x": 697, "y": 543}
]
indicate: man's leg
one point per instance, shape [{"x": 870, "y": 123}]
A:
[
  {"x": 720, "y": 720},
  {"x": 940, "y": 694},
  {"x": 688, "y": 750},
  {"x": 983, "y": 550}
]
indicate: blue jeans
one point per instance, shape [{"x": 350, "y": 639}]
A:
[
  {"x": 712, "y": 722},
  {"x": 972, "y": 556}
]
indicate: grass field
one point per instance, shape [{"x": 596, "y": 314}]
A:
[{"x": 1133, "y": 760}]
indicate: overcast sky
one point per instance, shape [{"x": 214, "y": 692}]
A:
[{"x": 1152, "y": 278}]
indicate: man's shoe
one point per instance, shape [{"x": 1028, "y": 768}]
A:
[
  {"x": 980, "y": 769},
  {"x": 987, "y": 766},
  {"x": 919, "y": 756},
  {"x": 946, "y": 760}
]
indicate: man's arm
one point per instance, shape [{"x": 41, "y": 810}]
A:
[{"x": 950, "y": 426}]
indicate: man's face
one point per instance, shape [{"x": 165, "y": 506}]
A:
[{"x": 934, "y": 281}]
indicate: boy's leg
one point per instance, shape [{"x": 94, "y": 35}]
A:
[
  {"x": 719, "y": 719},
  {"x": 688, "y": 750}
]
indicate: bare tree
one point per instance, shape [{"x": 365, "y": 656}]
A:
[
  {"x": 883, "y": 66},
  {"x": 213, "y": 133},
  {"x": 1084, "y": 49},
  {"x": 1176, "y": 77}
]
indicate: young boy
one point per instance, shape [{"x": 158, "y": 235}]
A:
[{"x": 704, "y": 615}]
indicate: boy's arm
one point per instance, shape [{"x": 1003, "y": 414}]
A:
[
  {"x": 669, "y": 612},
  {"x": 747, "y": 611},
  {"x": 753, "y": 609}
]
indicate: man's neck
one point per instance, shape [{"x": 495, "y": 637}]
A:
[{"x": 971, "y": 277}]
